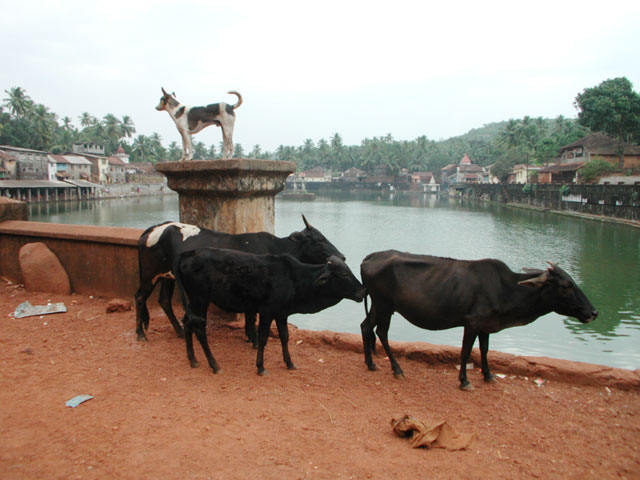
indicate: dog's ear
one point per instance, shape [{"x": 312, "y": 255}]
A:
[{"x": 163, "y": 92}]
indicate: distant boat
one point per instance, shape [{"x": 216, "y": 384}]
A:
[
  {"x": 298, "y": 192},
  {"x": 293, "y": 195}
]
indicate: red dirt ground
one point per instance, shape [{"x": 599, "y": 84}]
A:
[{"x": 152, "y": 416}]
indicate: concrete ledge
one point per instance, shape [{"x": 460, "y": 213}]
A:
[
  {"x": 98, "y": 260},
  {"x": 566, "y": 371}
]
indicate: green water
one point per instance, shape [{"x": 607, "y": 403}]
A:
[{"x": 603, "y": 258}]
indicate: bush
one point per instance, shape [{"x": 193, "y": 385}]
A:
[{"x": 595, "y": 169}]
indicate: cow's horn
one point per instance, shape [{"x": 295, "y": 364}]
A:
[
  {"x": 305, "y": 221},
  {"x": 536, "y": 281},
  {"x": 553, "y": 264}
]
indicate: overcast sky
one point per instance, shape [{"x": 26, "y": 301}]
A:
[{"x": 311, "y": 69}]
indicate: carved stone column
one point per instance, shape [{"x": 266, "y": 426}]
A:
[{"x": 232, "y": 196}]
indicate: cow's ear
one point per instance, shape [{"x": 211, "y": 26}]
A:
[
  {"x": 322, "y": 280},
  {"x": 163, "y": 92},
  {"x": 296, "y": 237}
]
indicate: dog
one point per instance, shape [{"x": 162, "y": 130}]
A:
[{"x": 190, "y": 120}]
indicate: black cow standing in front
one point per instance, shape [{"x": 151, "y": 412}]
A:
[
  {"x": 161, "y": 244},
  {"x": 483, "y": 296},
  {"x": 275, "y": 286}
]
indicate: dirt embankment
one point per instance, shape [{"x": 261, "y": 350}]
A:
[{"x": 152, "y": 416}]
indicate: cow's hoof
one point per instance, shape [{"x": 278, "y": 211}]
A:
[
  {"x": 292, "y": 367},
  {"x": 490, "y": 379},
  {"x": 263, "y": 373},
  {"x": 373, "y": 367},
  {"x": 195, "y": 364},
  {"x": 399, "y": 375},
  {"x": 142, "y": 337},
  {"x": 217, "y": 370},
  {"x": 467, "y": 387}
]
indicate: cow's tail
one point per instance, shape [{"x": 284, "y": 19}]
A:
[{"x": 239, "y": 102}]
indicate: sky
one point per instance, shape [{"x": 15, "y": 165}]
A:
[{"x": 309, "y": 69}]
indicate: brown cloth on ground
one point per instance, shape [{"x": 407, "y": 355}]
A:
[{"x": 437, "y": 435}]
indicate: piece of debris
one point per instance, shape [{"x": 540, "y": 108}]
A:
[
  {"x": 436, "y": 435},
  {"x": 469, "y": 366},
  {"x": 118, "y": 305},
  {"x": 501, "y": 375},
  {"x": 25, "y": 309},
  {"x": 75, "y": 401},
  {"x": 539, "y": 381}
]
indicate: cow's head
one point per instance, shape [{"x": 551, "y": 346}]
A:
[
  {"x": 562, "y": 293},
  {"x": 313, "y": 245},
  {"x": 340, "y": 280}
]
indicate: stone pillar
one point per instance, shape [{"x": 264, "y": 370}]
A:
[{"x": 232, "y": 196}]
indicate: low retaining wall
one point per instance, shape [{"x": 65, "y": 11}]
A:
[
  {"x": 544, "y": 367},
  {"x": 98, "y": 260},
  {"x": 618, "y": 201}
]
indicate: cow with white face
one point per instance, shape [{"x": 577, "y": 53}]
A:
[{"x": 161, "y": 244}]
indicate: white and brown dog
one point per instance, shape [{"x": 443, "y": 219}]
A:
[{"x": 190, "y": 120}]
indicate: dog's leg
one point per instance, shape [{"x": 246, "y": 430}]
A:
[
  {"x": 227, "y": 138},
  {"x": 185, "y": 147},
  {"x": 190, "y": 145}
]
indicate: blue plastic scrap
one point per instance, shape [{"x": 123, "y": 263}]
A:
[{"x": 75, "y": 401}]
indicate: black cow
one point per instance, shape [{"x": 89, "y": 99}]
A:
[
  {"x": 483, "y": 296},
  {"x": 160, "y": 245},
  {"x": 275, "y": 286}
]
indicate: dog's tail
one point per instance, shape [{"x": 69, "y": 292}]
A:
[{"x": 233, "y": 92}]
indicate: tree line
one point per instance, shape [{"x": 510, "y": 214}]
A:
[{"x": 612, "y": 107}]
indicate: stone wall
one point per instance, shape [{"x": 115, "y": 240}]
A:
[
  {"x": 98, "y": 260},
  {"x": 620, "y": 201}
]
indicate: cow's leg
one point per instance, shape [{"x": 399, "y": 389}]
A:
[
  {"x": 164, "y": 299},
  {"x": 283, "y": 333},
  {"x": 483, "y": 339},
  {"x": 264, "y": 325},
  {"x": 142, "y": 312},
  {"x": 369, "y": 339},
  {"x": 468, "y": 340},
  {"x": 188, "y": 337},
  {"x": 250, "y": 328},
  {"x": 382, "y": 329},
  {"x": 198, "y": 322}
]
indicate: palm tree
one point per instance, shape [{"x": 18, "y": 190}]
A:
[
  {"x": 256, "y": 152},
  {"x": 19, "y": 102},
  {"x": 142, "y": 149},
  {"x": 175, "y": 152},
  {"x": 66, "y": 123},
  {"x": 238, "y": 151},
  {"x": 44, "y": 123},
  {"x": 87, "y": 120},
  {"x": 127, "y": 128}
]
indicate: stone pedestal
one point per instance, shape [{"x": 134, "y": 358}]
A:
[{"x": 232, "y": 196}]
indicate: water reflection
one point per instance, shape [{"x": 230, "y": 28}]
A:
[{"x": 603, "y": 258}]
